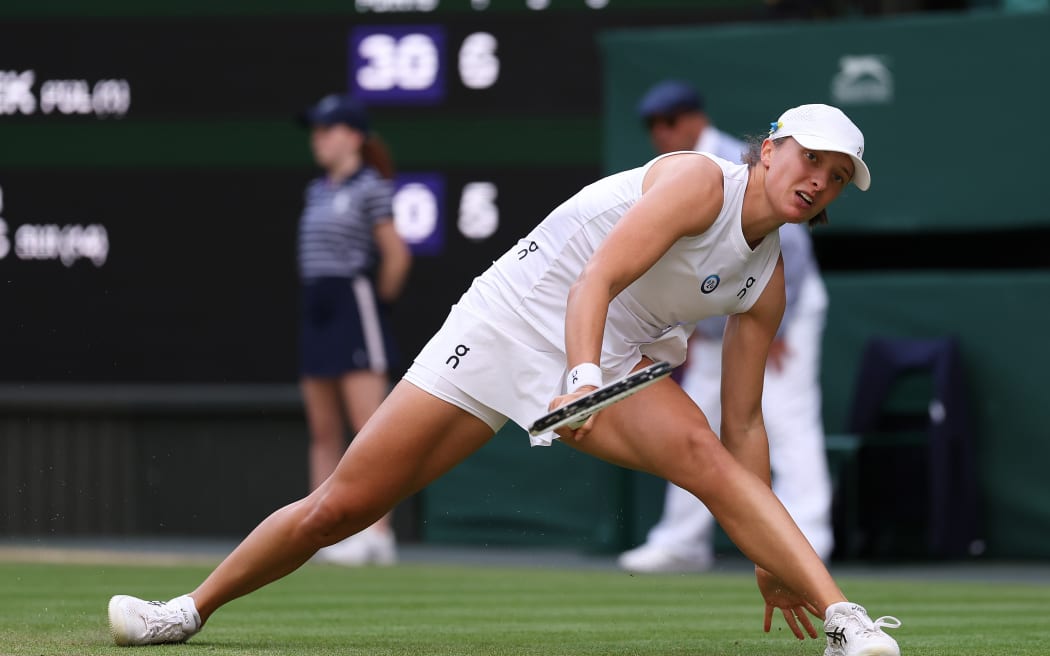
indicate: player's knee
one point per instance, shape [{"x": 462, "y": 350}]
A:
[
  {"x": 700, "y": 442},
  {"x": 331, "y": 517},
  {"x": 703, "y": 458}
]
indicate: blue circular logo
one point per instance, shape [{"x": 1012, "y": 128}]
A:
[{"x": 710, "y": 283}]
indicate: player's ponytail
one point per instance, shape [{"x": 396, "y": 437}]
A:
[{"x": 375, "y": 153}]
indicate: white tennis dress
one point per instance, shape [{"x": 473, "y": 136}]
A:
[{"x": 501, "y": 352}]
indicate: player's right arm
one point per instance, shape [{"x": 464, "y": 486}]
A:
[
  {"x": 682, "y": 196},
  {"x": 745, "y": 348}
]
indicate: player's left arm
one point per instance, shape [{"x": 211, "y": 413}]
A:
[{"x": 745, "y": 348}]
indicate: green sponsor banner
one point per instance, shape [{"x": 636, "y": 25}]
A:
[{"x": 954, "y": 109}]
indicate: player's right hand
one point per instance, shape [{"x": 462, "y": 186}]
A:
[
  {"x": 565, "y": 432},
  {"x": 793, "y": 605}
]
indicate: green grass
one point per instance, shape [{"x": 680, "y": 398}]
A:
[{"x": 429, "y": 610}]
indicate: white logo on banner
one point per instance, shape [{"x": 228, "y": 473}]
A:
[{"x": 862, "y": 80}]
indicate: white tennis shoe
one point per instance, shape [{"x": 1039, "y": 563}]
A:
[
  {"x": 654, "y": 559},
  {"x": 134, "y": 621},
  {"x": 371, "y": 546},
  {"x": 851, "y": 632}
]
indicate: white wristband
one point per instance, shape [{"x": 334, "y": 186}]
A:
[{"x": 586, "y": 373}]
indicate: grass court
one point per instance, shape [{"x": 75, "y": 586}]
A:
[{"x": 423, "y": 610}]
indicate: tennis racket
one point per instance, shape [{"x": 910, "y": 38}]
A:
[{"x": 576, "y": 413}]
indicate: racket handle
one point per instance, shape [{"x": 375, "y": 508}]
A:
[{"x": 576, "y": 424}]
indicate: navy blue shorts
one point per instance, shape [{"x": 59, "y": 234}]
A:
[{"x": 343, "y": 328}]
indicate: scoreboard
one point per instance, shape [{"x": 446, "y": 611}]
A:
[{"x": 151, "y": 171}]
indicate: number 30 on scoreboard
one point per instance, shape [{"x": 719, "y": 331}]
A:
[{"x": 406, "y": 64}]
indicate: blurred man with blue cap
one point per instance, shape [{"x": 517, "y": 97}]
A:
[{"x": 673, "y": 112}]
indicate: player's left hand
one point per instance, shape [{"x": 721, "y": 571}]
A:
[
  {"x": 565, "y": 432},
  {"x": 793, "y": 605}
]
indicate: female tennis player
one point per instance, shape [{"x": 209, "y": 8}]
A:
[{"x": 610, "y": 281}]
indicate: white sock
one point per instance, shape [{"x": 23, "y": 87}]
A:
[
  {"x": 843, "y": 607},
  {"x": 191, "y": 618}
]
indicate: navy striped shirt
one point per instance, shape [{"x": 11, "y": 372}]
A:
[{"x": 336, "y": 230}]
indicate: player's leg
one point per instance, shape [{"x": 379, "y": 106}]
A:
[
  {"x": 662, "y": 432},
  {"x": 363, "y": 391},
  {"x": 412, "y": 439},
  {"x": 690, "y": 524},
  {"x": 683, "y": 538},
  {"x": 324, "y": 417}
]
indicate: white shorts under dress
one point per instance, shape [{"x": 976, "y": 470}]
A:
[{"x": 497, "y": 373}]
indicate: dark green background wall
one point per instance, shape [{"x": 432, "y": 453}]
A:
[
  {"x": 953, "y": 121},
  {"x": 1001, "y": 321}
]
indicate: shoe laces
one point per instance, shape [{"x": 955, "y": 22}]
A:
[
  {"x": 164, "y": 621},
  {"x": 887, "y": 621},
  {"x": 871, "y": 627}
]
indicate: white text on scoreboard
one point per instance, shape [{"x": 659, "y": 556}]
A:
[
  {"x": 20, "y": 94},
  {"x": 408, "y": 64},
  {"x": 49, "y": 241},
  {"x": 419, "y": 211}
]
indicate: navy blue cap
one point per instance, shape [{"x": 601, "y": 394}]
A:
[
  {"x": 670, "y": 97},
  {"x": 336, "y": 109}
]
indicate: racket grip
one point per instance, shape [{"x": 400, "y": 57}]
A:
[{"x": 576, "y": 424}]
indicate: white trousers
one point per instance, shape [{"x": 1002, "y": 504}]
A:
[{"x": 792, "y": 414}]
